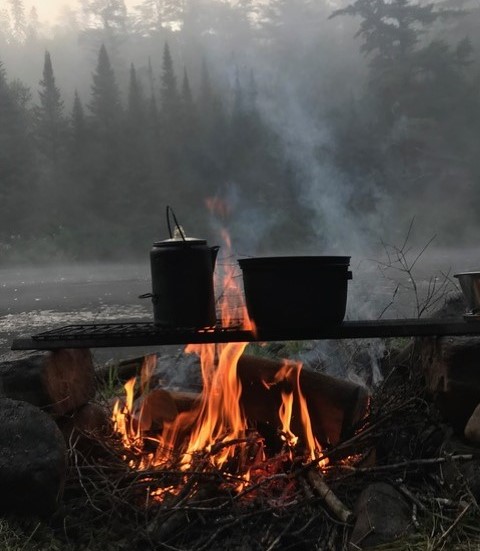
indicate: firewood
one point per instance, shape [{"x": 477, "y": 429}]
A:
[
  {"x": 59, "y": 382},
  {"x": 157, "y": 407},
  {"x": 335, "y": 405},
  {"x": 315, "y": 478}
]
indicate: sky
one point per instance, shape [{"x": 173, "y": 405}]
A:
[{"x": 49, "y": 10}]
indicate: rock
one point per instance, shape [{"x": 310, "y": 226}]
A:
[
  {"x": 472, "y": 430},
  {"x": 382, "y": 516},
  {"x": 32, "y": 460},
  {"x": 59, "y": 381},
  {"x": 450, "y": 365}
]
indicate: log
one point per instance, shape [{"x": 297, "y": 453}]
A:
[
  {"x": 450, "y": 365},
  {"x": 59, "y": 382},
  {"x": 335, "y": 405}
]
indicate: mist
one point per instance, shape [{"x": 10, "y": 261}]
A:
[{"x": 323, "y": 139}]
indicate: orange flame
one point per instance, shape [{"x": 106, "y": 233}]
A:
[{"x": 216, "y": 428}]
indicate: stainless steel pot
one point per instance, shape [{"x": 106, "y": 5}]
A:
[{"x": 470, "y": 284}]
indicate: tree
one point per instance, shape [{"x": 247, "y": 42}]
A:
[
  {"x": 156, "y": 15},
  {"x": 105, "y": 105},
  {"x": 18, "y": 19},
  {"x": 169, "y": 97},
  {"x": 107, "y": 157},
  {"x": 111, "y": 15},
  {"x": 50, "y": 125},
  {"x": 33, "y": 25},
  {"x": 391, "y": 32},
  {"x": 17, "y": 160},
  {"x": 78, "y": 125}
]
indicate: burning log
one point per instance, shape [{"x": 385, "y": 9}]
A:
[{"x": 335, "y": 406}]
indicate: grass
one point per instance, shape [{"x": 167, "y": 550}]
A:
[{"x": 28, "y": 535}]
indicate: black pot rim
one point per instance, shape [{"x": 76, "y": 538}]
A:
[{"x": 283, "y": 261}]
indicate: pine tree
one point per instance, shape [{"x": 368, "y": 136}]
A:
[
  {"x": 187, "y": 104},
  {"x": 17, "y": 160},
  {"x": 153, "y": 122},
  {"x": 169, "y": 98},
  {"x": 107, "y": 149},
  {"x": 78, "y": 126},
  {"x": 136, "y": 101},
  {"x": 50, "y": 126},
  {"x": 105, "y": 105}
]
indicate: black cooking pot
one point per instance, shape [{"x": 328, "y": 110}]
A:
[
  {"x": 182, "y": 280},
  {"x": 295, "y": 291}
]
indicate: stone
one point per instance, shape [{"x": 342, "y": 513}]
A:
[
  {"x": 32, "y": 460},
  {"x": 472, "y": 429},
  {"x": 382, "y": 516},
  {"x": 59, "y": 381}
]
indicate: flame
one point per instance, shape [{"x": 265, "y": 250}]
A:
[{"x": 216, "y": 429}]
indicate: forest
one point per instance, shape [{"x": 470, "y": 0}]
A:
[{"x": 323, "y": 126}]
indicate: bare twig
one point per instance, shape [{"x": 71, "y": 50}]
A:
[
  {"x": 445, "y": 535},
  {"x": 331, "y": 500}
]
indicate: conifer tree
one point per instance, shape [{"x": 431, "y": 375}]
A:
[
  {"x": 17, "y": 166},
  {"x": 136, "y": 101},
  {"x": 169, "y": 91},
  {"x": 78, "y": 124},
  {"x": 105, "y": 105},
  {"x": 107, "y": 164},
  {"x": 50, "y": 124},
  {"x": 187, "y": 103}
]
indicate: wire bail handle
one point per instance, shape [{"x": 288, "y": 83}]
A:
[{"x": 179, "y": 228}]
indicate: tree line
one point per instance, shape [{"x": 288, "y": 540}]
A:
[{"x": 89, "y": 177}]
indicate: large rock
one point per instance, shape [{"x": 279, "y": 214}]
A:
[
  {"x": 452, "y": 374},
  {"x": 472, "y": 429},
  {"x": 32, "y": 460},
  {"x": 382, "y": 517},
  {"x": 59, "y": 381}
]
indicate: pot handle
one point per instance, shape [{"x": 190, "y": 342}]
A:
[
  {"x": 349, "y": 275},
  {"x": 170, "y": 211},
  {"x": 146, "y": 295}
]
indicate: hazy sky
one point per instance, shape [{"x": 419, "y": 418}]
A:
[{"x": 48, "y": 10}]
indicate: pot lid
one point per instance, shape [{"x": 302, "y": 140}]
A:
[{"x": 180, "y": 242}]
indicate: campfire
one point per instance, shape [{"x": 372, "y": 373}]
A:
[
  {"x": 222, "y": 431},
  {"x": 265, "y": 453}
]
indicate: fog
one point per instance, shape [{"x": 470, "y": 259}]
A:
[{"x": 325, "y": 132}]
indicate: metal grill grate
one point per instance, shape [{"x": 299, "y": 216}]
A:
[
  {"x": 107, "y": 335},
  {"x": 145, "y": 333}
]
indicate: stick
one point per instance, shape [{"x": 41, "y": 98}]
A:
[
  {"x": 282, "y": 533},
  {"x": 406, "y": 464},
  {"x": 445, "y": 535},
  {"x": 330, "y": 499}
]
